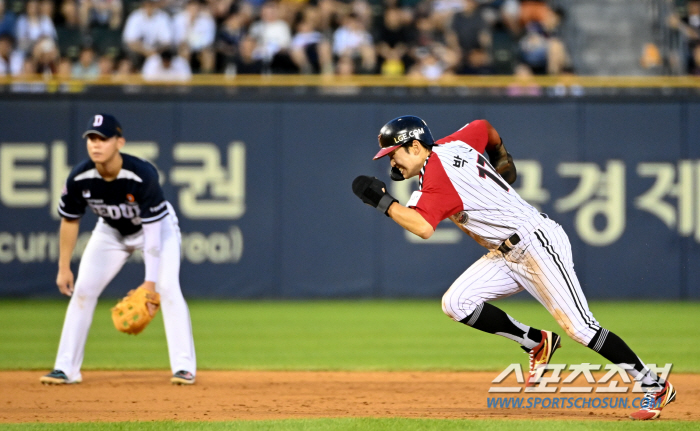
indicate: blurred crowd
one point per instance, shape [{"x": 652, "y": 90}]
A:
[{"x": 173, "y": 39}]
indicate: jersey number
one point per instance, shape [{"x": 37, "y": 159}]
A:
[{"x": 485, "y": 170}]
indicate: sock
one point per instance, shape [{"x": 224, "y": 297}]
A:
[
  {"x": 493, "y": 320},
  {"x": 615, "y": 350}
]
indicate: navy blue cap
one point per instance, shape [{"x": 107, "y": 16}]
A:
[{"x": 104, "y": 125}]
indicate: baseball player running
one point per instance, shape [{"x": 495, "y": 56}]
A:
[
  {"x": 527, "y": 250},
  {"x": 124, "y": 192}
]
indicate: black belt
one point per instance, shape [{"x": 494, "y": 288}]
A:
[{"x": 508, "y": 244}]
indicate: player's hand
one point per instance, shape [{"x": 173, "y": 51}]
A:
[
  {"x": 373, "y": 192},
  {"x": 64, "y": 281},
  {"x": 502, "y": 161},
  {"x": 151, "y": 287}
]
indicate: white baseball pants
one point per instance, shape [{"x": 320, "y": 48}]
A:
[
  {"x": 104, "y": 255},
  {"x": 540, "y": 263}
]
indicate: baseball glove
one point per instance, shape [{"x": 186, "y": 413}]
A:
[{"x": 131, "y": 314}]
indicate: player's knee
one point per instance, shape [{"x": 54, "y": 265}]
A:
[
  {"x": 580, "y": 334},
  {"x": 458, "y": 307}
]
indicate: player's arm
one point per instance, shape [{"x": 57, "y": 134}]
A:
[
  {"x": 151, "y": 254},
  {"x": 151, "y": 258},
  {"x": 411, "y": 220},
  {"x": 153, "y": 209},
  {"x": 373, "y": 192},
  {"x": 67, "y": 238},
  {"x": 499, "y": 158}
]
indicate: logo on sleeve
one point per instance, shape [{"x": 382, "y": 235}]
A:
[
  {"x": 415, "y": 196},
  {"x": 461, "y": 217},
  {"x": 130, "y": 198},
  {"x": 86, "y": 194}
]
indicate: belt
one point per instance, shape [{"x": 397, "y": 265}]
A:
[{"x": 507, "y": 245}]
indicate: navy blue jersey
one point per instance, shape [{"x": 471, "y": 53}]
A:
[{"x": 133, "y": 198}]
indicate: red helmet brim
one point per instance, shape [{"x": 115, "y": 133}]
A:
[{"x": 384, "y": 151}]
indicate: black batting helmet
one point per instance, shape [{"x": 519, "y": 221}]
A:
[{"x": 403, "y": 130}]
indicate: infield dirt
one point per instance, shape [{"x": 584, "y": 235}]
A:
[{"x": 246, "y": 395}]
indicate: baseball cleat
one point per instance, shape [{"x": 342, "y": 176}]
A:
[
  {"x": 182, "y": 377},
  {"x": 541, "y": 354},
  {"x": 57, "y": 377},
  {"x": 654, "y": 402}
]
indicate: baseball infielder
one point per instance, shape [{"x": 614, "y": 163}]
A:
[
  {"x": 124, "y": 192},
  {"x": 527, "y": 250}
]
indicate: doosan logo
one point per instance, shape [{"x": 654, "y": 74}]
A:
[{"x": 411, "y": 134}]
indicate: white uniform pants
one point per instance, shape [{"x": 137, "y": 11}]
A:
[
  {"x": 104, "y": 256},
  {"x": 540, "y": 263}
]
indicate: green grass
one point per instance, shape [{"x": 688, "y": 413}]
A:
[
  {"x": 364, "y": 424},
  {"x": 342, "y": 335}
]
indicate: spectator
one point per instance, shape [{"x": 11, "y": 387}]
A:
[
  {"x": 689, "y": 26},
  {"x": 273, "y": 38},
  {"x": 32, "y": 26},
  {"x": 221, "y": 10},
  {"x": 228, "y": 41},
  {"x": 310, "y": 50},
  {"x": 345, "y": 66},
  {"x": 166, "y": 66},
  {"x": 535, "y": 11},
  {"x": 194, "y": 31},
  {"x": 124, "y": 70},
  {"x": 148, "y": 30},
  {"x": 64, "y": 68},
  {"x": 430, "y": 67},
  {"x": 443, "y": 11},
  {"x": 245, "y": 62},
  {"x": 101, "y": 13},
  {"x": 353, "y": 41},
  {"x": 69, "y": 15},
  {"x": 468, "y": 31},
  {"x": 7, "y": 20},
  {"x": 394, "y": 37},
  {"x": 11, "y": 59},
  {"x": 174, "y": 7},
  {"x": 45, "y": 56},
  {"x": 695, "y": 61},
  {"x": 105, "y": 66},
  {"x": 428, "y": 38},
  {"x": 533, "y": 47},
  {"x": 86, "y": 67},
  {"x": 478, "y": 63},
  {"x": 48, "y": 9},
  {"x": 541, "y": 49},
  {"x": 328, "y": 13}
]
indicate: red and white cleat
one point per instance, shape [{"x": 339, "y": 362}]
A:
[
  {"x": 654, "y": 402},
  {"x": 541, "y": 354}
]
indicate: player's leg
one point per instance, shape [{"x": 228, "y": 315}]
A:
[
  {"x": 547, "y": 272},
  {"x": 102, "y": 259},
  {"x": 466, "y": 301},
  {"x": 176, "y": 314}
]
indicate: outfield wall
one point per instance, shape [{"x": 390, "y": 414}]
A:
[{"x": 263, "y": 192}]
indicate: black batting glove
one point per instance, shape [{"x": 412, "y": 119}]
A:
[
  {"x": 373, "y": 192},
  {"x": 396, "y": 174}
]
